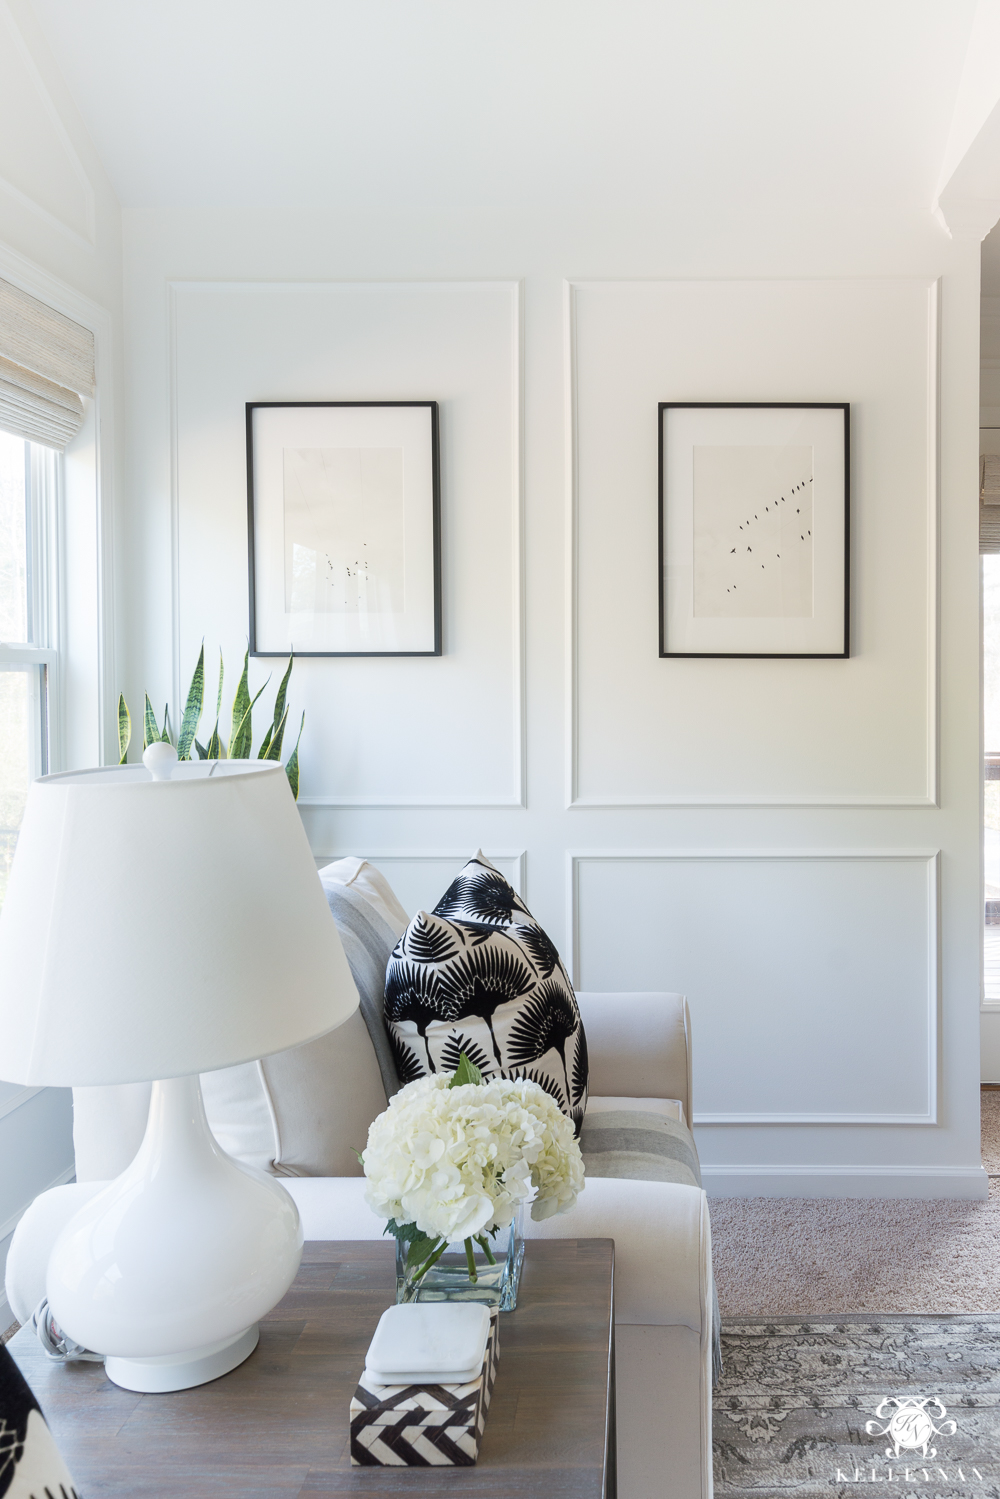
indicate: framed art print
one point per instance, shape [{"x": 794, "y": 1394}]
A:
[
  {"x": 754, "y": 529},
  {"x": 344, "y": 528}
]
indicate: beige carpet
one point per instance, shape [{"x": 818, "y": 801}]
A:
[{"x": 783, "y": 1255}]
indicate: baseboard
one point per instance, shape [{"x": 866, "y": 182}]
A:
[{"x": 970, "y": 1182}]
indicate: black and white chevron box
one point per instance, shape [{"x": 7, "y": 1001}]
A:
[{"x": 423, "y": 1425}]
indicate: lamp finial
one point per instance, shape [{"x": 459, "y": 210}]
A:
[{"x": 160, "y": 759}]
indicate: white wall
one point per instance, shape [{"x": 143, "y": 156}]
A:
[
  {"x": 60, "y": 240},
  {"x": 793, "y": 843}
]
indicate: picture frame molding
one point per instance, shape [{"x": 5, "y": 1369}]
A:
[
  {"x": 664, "y": 406},
  {"x": 433, "y": 407}
]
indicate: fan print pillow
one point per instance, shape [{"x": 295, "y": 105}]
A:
[
  {"x": 479, "y": 975},
  {"x": 31, "y": 1466}
]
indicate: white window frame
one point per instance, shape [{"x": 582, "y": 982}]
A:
[
  {"x": 78, "y": 530},
  {"x": 75, "y": 637},
  {"x": 40, "y": 656}
]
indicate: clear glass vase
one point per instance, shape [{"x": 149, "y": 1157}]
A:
[{"x": 448, "y": 1279}]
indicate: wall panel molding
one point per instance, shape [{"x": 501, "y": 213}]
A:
[
  {"x": 966, "y": 1183},
  {"x": 385, "y": 800},
  {"x": 929, "y": 857},
  {"x": 929, "y": 796}
]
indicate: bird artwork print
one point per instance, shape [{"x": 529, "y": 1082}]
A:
[{"x": 753, "y": 532}]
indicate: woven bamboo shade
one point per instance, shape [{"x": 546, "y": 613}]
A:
[{"x": 46, "y": 368}]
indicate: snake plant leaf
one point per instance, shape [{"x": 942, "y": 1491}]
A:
[
  {"x": 202, "y": 751},
  {"x": 124, "y": 728},
  {"x": 274, "y": 749},
  {"x": 241, "y": 741},
  {"x": 241, "y": 702},
  {"x": 192, "y": 709},
  {"x": 216, "y": 749},
  {"x": 262, "y": 752},
  {"x": 150, "y": 733},
  {"x": 279, "y": 701},
  {"x": 292, "y": 764},
  {"x": 165, "y": 736}
]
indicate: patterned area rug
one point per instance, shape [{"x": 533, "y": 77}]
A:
[{"x": 828, "y": 1406}]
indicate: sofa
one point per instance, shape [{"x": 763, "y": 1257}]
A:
[{"x": 301, "y": 1114}]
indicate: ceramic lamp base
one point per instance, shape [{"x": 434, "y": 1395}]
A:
[
  {"x": 167, "y": 1270},
  {"x": 181, "y": 1371}
]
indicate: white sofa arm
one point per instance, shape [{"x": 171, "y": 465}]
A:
[
  {"x": 663, "y": 1248},
  {"x": 639, "y": 1046}
]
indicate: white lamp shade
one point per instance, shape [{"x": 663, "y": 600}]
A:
[{"x": 153, "y": 929}]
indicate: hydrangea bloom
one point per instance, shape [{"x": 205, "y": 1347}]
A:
[{"x": 456, "y": 1161}]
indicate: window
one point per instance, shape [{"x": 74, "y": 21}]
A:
[
  {"x": 28, "y": 628},
  {"x": 991, "y": 773}
]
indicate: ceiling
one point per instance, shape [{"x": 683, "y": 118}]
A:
[{"x": 469, "y": 103}]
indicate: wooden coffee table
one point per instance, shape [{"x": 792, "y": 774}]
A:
[{"x": 277, "y": 1426}]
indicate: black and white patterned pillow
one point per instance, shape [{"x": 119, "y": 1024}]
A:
[
  {"x": 479, "y": 975},
  {"x": 30, "y": 1462}
]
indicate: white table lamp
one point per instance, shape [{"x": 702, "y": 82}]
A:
[{"x": 160, "y": 923}]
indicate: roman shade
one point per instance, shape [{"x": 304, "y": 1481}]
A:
[{"x": 46, "y": 368}]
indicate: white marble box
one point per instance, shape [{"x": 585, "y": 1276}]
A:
[{"x": 423, "y": 1425}]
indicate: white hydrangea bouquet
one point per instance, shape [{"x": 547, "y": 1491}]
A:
[{"x": 454, "y": 1157}]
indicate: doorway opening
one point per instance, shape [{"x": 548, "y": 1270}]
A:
[{"x": 991, "y": 776}]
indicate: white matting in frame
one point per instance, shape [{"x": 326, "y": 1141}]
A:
[
  {"x": 344, "y": 528},
  {"x": 754, "y": 529}
]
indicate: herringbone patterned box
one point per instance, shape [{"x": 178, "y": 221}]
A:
[{"x": 420, "y": 1426}]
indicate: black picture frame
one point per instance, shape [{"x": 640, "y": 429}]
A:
[
  {"x": 435, "y": 519},
  {"x": 666, "y": 406}
]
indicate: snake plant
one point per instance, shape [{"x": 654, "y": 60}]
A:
[{"x": 240, "y": 745}]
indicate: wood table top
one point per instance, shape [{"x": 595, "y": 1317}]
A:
[{"x": 277, "y": 1426}]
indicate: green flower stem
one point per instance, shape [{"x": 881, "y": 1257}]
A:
[
  {"x": 484, "y": 1244},
  {"x": 431, "y": 1260},
  {"x": 470, "y": 1260}
]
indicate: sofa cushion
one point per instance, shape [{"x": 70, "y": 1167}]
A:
[
  {"x": 479, "y": 975},
  {"x": 369, "y": 919},
  {"x": 670, "y": 1108},
  {"x": 639, "y": 1143},
  {"x": 277, "y": 1114},
  {"x": 371, "y": 884},
  {"x": 322, "y": 1096}
]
